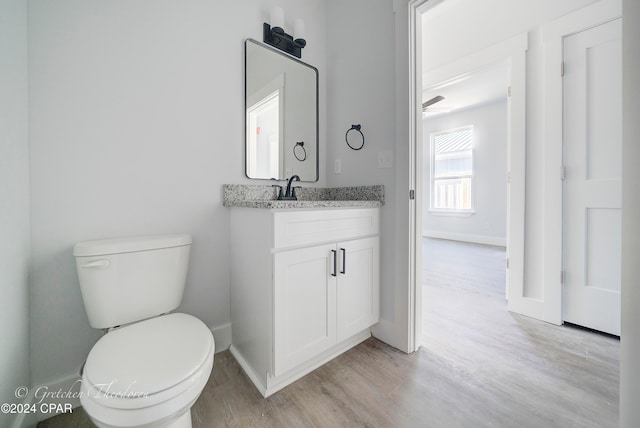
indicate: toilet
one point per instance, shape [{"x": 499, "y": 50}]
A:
[{"x": 151, "y": 365}]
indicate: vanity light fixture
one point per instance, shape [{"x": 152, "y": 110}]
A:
[{"x": 275, "y": 36}]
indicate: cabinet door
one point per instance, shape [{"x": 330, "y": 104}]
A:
[
  {"x": 304, "y": 305},
  {"x": 358, "y": 287}
]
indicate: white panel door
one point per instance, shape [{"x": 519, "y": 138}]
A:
[
  {"x": 358, "y": 288},
  {"x": 592, "y": 111},
  {"x": 304, "y": 305}
]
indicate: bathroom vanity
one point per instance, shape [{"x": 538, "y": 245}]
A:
[
  {"x": 304, "y": 270},
  {"x": 304, "y": 284}
]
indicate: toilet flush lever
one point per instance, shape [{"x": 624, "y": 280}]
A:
[{"x": 102, "y": 263}]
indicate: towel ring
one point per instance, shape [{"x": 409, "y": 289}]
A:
[
  {"x": 300, "y": 156},
  {"x": 353, "y": 138}
]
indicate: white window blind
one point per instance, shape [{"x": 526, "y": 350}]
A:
[{"x": 452, "y": 170}]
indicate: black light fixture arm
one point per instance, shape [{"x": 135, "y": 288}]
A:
[{"x": 276, "y": 37}]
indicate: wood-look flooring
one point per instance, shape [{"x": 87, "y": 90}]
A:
[{"x": 479, "y": 366}]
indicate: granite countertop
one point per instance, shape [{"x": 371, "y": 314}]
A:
[
  {"x": 305, "y": 204},
  {"x": 260, "y": 196}
]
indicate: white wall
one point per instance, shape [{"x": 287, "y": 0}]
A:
[
  {"x": 361, "y": 90},
  {"x": 14, "y": 204},
  {"x": 444, "y": 23},
  {"x": 630, "y": 338},
  {"x": 136, "y": 120},
  {"x": 488, "y": 223}
]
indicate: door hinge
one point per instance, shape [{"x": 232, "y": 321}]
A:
[
  {"x": 509, "y": 177},
  {"x": 563, "y": 172},
  {"x": 507, "y": 263},
  {"x": 561, "y": 277},
  {"x": 412, "y": 194},
  {"x": 509, "y": 91},
  {"x": 562, "y": 68}
]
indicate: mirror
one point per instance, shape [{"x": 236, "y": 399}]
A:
[{"x": 281, "y": 115}]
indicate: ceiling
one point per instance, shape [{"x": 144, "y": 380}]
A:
[{"x": 471, "y": 89}]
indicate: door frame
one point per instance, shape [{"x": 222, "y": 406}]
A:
[
  {"x": 514, "y": 52},
  {"x": 553, "y": 35}
]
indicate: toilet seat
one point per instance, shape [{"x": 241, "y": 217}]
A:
[{"x": 154, "y": 368}]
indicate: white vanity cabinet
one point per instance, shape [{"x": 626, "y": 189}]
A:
[{"x": 304, "y": 288}]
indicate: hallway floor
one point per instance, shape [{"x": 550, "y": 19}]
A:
[{"x": 511, "y": 370}]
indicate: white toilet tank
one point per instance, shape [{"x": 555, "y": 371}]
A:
[{"x": 124, "y": 280}]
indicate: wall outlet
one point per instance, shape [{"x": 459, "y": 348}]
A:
[
  {"x": 337, "y": 166},
  {"x": 385, "y": 159}
]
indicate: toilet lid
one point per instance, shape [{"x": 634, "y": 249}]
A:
[{"x": 149, "y": 356}]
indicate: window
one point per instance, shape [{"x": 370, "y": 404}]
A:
[{"x": 452, "y": 170}]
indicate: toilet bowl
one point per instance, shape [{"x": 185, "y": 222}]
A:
[
  {"x": 151, "y": 366},
  {"x": 149, "y": 373}
]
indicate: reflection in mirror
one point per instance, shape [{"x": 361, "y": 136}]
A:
[
  {"x": 264, "y": 111},
  {"x": 281, "y": 101}
]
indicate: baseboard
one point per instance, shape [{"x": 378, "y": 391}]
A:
[
  {"x": 248, "y": 370},
  {"x": 464, "y": 237},
  {"x": 222, "y": 336},
  {"x": 48, "y": 400},
  {"x": 385, "y": 331},
  {"x": 275, "y": 384}
]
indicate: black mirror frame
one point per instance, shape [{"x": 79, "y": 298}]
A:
[{"x": 317, "y": 115}]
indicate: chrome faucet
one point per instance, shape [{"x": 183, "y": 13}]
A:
[{"x": 290, "y": 193}]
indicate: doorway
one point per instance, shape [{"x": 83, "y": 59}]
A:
[
  {"x": 559, "y": 266},
  {"x": 511, "y": 52},
  {"x": 592, "y": 161},
  {"x": 542, "y": 297},
  {"x": 464, "y": 170}
]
